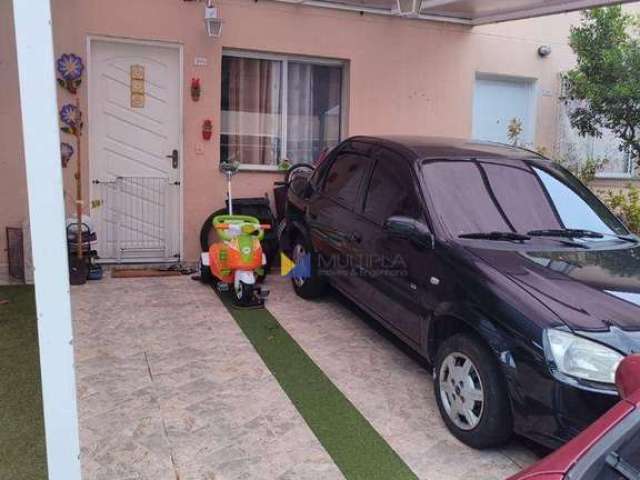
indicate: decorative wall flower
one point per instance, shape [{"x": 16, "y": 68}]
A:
[
  {"x": 70, "y": 66},
  {"x": 71, "y": 117},
  {"x": 70, "y": 69},
  {"x": 66, "y": 152}
]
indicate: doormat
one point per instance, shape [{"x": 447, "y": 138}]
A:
[{"x": 143, "y": 273}]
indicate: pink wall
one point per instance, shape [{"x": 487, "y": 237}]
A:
[
  {"x": 404, "y": 76},
  {"x": 13, "y": 191}
]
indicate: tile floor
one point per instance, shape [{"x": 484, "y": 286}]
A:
[{"x": 170, "y": 389}]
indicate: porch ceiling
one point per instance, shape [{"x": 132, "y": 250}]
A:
[{"x": 471, "y": 12}]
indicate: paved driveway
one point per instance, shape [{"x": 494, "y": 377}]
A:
[
  {"x": 169, "y": 388},
  {"x": 389, "y": 387}
]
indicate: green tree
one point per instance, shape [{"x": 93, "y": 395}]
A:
[{"x": 603, "y": 90}]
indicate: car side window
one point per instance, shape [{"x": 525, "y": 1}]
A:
[
  {"x": 345, "y": 176},
  {"x": 391, "y": 189}
]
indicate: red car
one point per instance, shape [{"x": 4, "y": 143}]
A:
[{"x": 607, "y": 450}]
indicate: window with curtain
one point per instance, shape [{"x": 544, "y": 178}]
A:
[{"x": 278, "y": 108}]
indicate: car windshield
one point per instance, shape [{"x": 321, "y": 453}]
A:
[{"x": 540, "y": 198}]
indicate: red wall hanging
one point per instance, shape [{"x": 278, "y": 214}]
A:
[
  {"x": 207, "y": 130},
  {"x": 196, "y": 90}
]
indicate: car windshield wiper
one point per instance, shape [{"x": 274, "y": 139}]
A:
[
  {"x": 579, "y": 233},
  {"x": 621, "y": 466},
  {"x": 565, "y": 233},
  {"x": 510, "y": 236}
]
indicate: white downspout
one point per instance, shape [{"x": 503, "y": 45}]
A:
[{"x": 34, "y": 45}]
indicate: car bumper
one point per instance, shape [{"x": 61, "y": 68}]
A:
[{"x": 554, "y": 412}]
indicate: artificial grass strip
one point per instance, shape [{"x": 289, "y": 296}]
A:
[
  {"x": 22, "y": 445},
  {"x": 354, "y": 445}
]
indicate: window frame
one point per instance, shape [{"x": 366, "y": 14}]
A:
[{"x": 284, "y": 59}]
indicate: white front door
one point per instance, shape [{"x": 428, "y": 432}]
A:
[
  {"x": 135, "y": 150},
  {"x": 497, "y": 102}
]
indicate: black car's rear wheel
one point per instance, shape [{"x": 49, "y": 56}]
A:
[{"x": 471, "y": 393}]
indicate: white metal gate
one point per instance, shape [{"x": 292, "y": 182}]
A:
[{"x": 135, "y": 216}]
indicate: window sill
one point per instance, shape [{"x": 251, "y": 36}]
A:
[
  {"x": 261, "y": 168},
  {"x": 616, "y": 176}
]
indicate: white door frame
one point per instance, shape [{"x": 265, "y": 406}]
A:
[{"x": 90, "y": 98}]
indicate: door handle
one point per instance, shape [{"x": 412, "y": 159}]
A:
[
  {"x": 355, "y": 237},
  {"x": 175, "y": 158}
]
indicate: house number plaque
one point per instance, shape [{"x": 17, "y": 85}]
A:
[{"x": 137, "y": 86}]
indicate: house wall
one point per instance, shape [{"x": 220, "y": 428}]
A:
[
  {"x": 13, "y": 191},
  {"x": 405, "y": 77}
]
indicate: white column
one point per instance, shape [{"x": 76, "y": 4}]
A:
[{"x": 34, "y": 42}]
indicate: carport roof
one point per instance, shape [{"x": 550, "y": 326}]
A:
[{"x": 471, "y": 12}]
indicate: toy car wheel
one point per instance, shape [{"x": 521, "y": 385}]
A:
[
  {"x": 471, "y": 393},
  {"x": 205, "y": 274},
  {"x": 306, "y": 286},
  {"x": 243, "y": 294}
]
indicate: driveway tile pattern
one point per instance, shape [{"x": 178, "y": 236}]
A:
[
  {"x": 391, "y": 389},
  {"x": 170, "y": 389}
]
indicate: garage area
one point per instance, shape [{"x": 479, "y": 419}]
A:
[
  {"x": 170, "y": 387},
  {"x": 160, "y": 378}
]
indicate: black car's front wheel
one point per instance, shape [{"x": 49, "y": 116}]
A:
[{"x": 471, "y": 393}]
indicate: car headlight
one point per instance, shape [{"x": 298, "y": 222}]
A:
[{"x": 581, "y": 358}]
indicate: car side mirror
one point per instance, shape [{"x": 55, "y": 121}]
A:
[
  {"x": 628, "y": 376},
  {"x": 410, "y": 229}
]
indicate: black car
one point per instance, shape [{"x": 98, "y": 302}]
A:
[{"x": 497, "y": 265}]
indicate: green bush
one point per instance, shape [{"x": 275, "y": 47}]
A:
[{"x": 626, "y": 204}]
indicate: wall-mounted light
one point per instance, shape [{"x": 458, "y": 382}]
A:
[
  {"x": 544, "y": 51},
  {"x": 212, "y": 20},
  {"x": 408, "y": 8}
]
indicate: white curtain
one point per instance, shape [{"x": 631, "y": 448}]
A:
[
  {"x": 251, "y": 114},
  {"x": 302, "y": 124}
]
